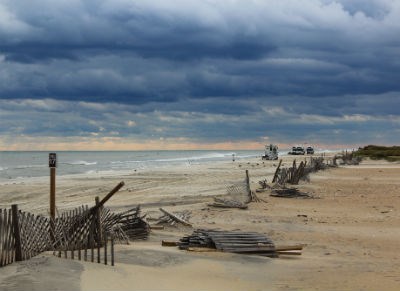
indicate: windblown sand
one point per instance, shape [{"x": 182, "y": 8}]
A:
[{"x": 351, "y": 230}]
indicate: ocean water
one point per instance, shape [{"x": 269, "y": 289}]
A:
[{"x": 20, "y": 165}]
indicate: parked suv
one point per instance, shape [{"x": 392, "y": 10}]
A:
[
  {"x": 297, "y": 151},
  {"x": 310, "y": 151}
]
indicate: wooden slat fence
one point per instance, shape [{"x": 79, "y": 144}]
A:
[
  {"x": 24, "y": 235},
  {"x": 294, "y": 174},
  {"x": 80, "y": 233},
  {"x": 83, "y": 233},
  {"x": 34, "y": 233},
  {"x": 7, "y": 251}
]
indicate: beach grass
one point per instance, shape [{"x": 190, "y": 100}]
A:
[{"x": 376, "y": 152}]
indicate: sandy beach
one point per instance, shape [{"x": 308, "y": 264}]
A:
[{"x": 350, "y": 230}]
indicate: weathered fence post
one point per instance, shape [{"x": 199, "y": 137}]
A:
[
  {"x": 248, "y": 183},
  {"x": 98, "y": 220},
  {"x": 52, "y": 193},
  {"x": 52, "y": 166},
  {"x": 91, "y": 237},
  {"x": 112, "y": 250},
  {"x": 105, "y": 248},
  {"x": 276, "y": 172},
  {"x": 17, "y": 234},
  {"x": 98, "y": 227}
]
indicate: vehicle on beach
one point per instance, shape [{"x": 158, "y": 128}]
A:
[
  {"x": 310, "y": 150},
  {"x": 297, "y": 150},
  {"x": 271, "y": 152}
]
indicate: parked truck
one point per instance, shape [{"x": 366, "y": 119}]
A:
[
  {"x": 297, "y": 150},
  {"x": 271, "y": 152},
  {"x": 310, "y": 150}
]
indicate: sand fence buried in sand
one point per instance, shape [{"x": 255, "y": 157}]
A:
[
  {"x": 83, "y": 232},
  {"x": 237, "y": 193},
  {"x": 24, "y": 235},
  {"x": 294, "y": 174}
]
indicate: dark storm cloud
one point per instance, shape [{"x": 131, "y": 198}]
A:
[
  {"x": 198, "y": 64},
  {"x": 270, "y": 48}
]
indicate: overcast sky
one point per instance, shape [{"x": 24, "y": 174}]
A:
[{"x": 165, "y": 74}]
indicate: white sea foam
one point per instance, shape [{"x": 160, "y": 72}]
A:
[
  {"x": 34, "y": 164},
  {"x": 209, "y": 156},
  {"x": 82, "y": 163},
  {"x": 21, "y": 167},
  {"x": 91, "y": 172}
]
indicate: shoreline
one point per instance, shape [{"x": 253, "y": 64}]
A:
[{"x": 94, "y": 165}]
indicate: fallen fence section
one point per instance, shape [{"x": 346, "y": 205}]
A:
[
  {"x": 174, "y": 218},
  {"x": 227, "y": 203},
  {"x": 238, "y": 192},
  {"x": 251, "y": 196},
  {"x": 93, "y": 232},
  {"x": 234, "y": 242},
  {"x": 125, "y": 226},
  {"x": 289, "y": 193}
]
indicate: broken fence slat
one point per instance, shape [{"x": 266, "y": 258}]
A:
[
  {"x": 277, "y": 171},
  {"x": 174, "y": 217}
]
